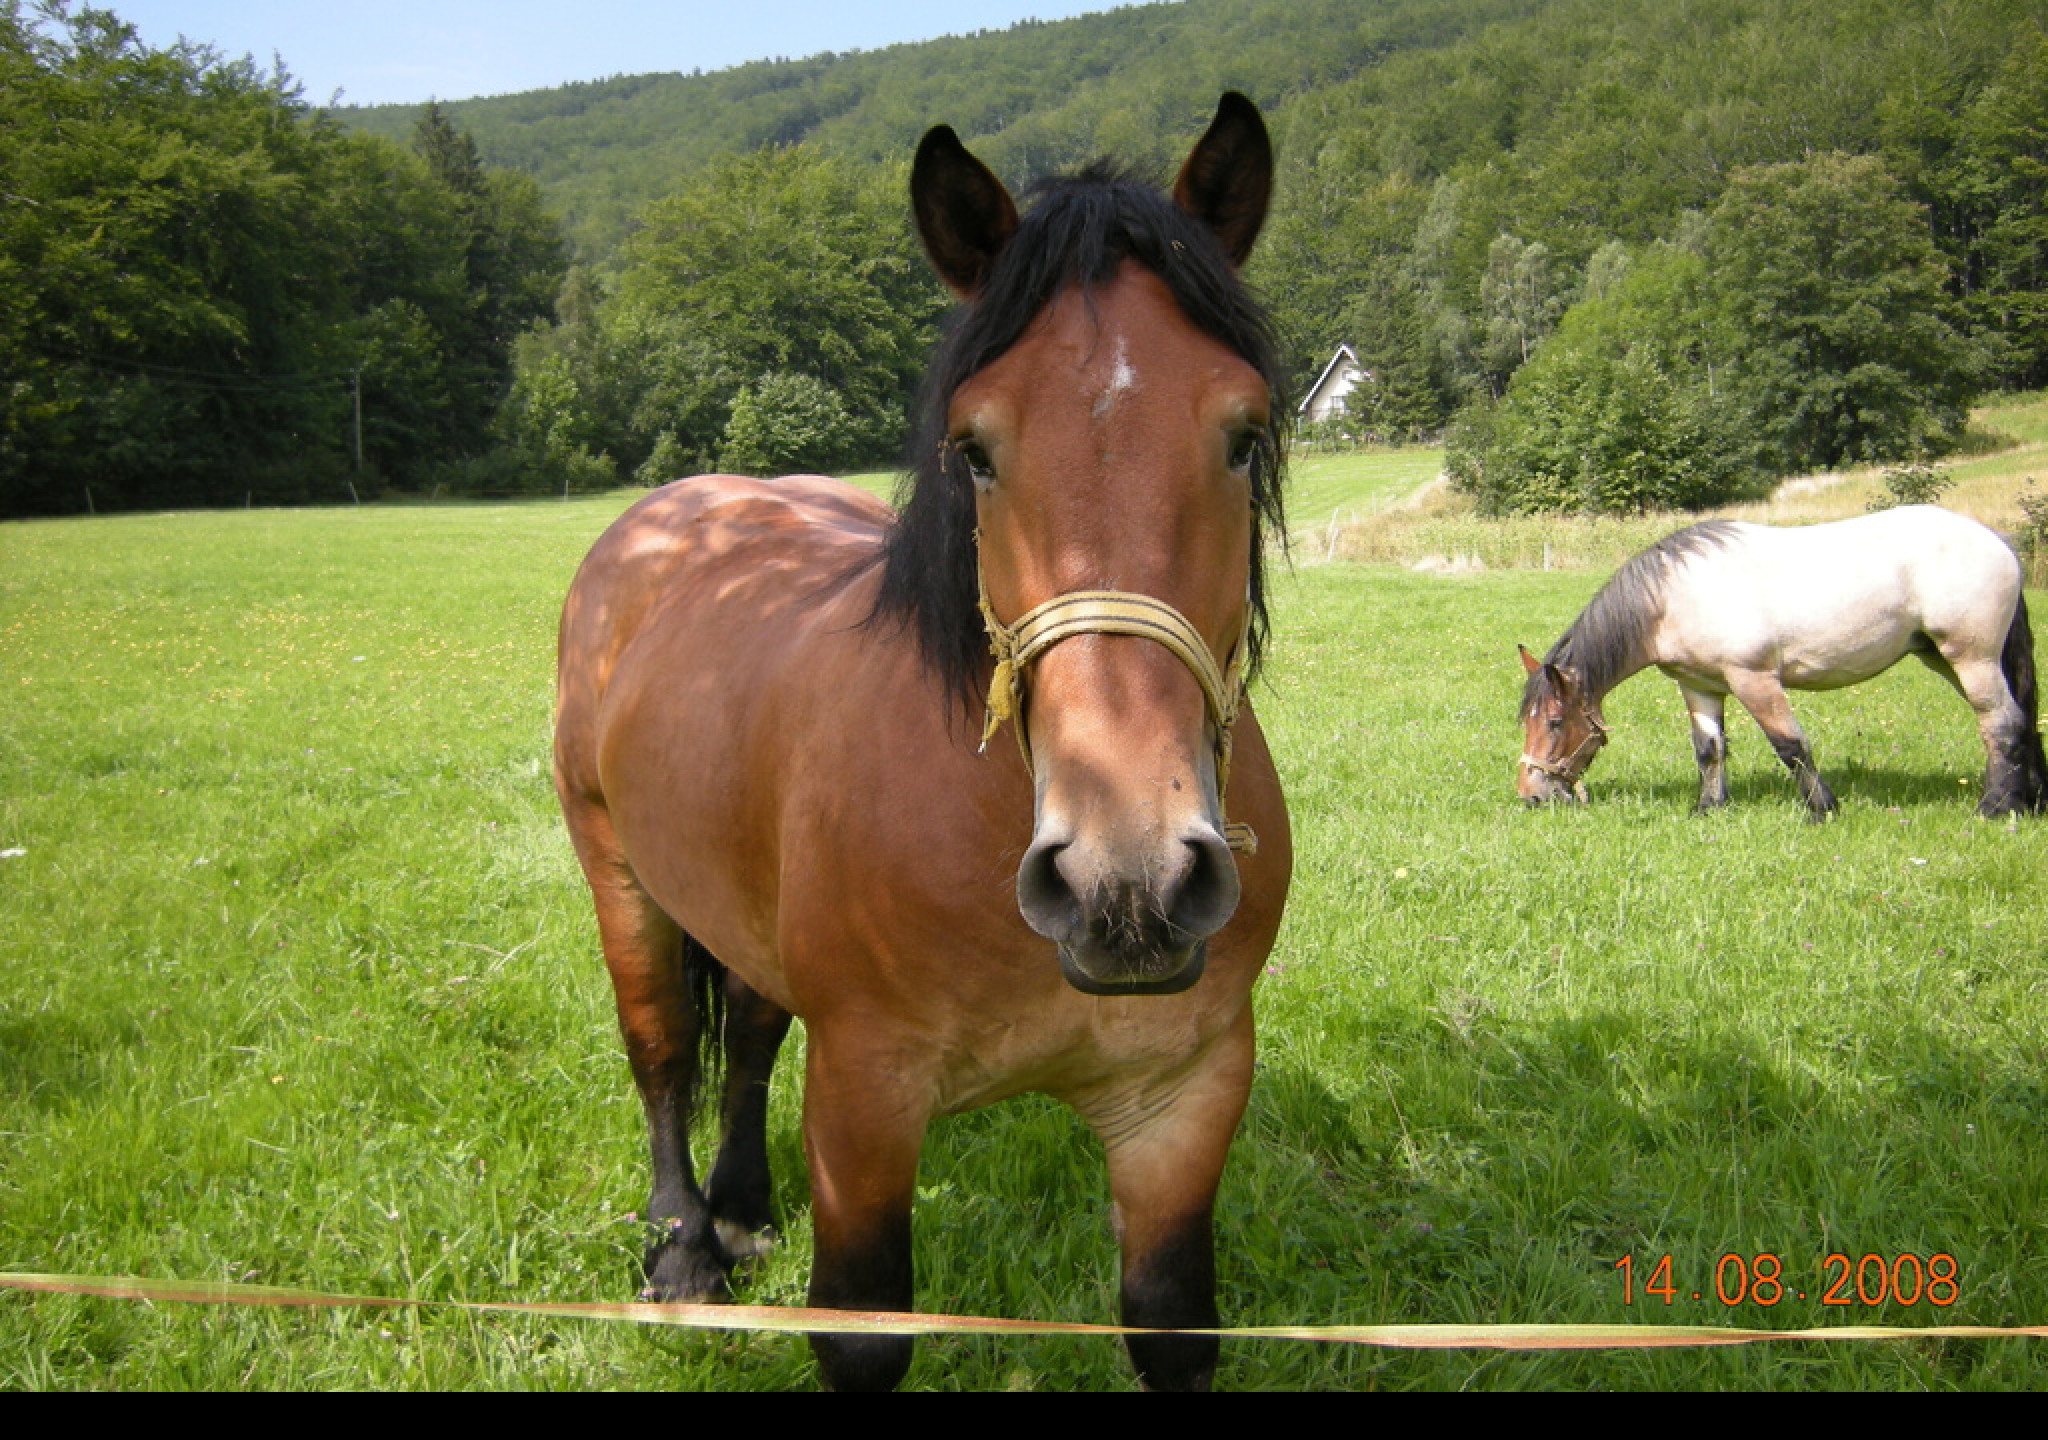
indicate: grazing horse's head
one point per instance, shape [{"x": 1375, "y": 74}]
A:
[
  {"x": 1562, "y": 730},
  {"x": 1101, "y": 462}
]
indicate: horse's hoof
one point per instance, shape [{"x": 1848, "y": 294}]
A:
[
  {"x": 657, "y": 1293},
  {"x": 857, "y": 1363},
  {"x": 683, "y": 1275}
]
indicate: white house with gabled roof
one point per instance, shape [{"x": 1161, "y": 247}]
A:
[{"x": 1325, "y": 398}]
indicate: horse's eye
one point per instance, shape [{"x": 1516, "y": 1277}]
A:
[
  {"x": 1244, "y": 445},
  {"x": 1556, "y": 723},
  {"x": 980, "y": 469}
]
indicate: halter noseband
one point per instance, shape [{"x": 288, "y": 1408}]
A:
[{"x": 1113, "y": 612}]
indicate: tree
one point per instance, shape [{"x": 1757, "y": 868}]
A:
[
  {"x": 198, "y": 279},
  {"x": 451, "y": 154},
  {"x": 1521, "y": 298},
  {"x": 165, "y": 335},
  {"x": 1623, "y": 408},
  {"x": 1846, "y": 345},
  {"x": 1406, "y": 397},
  {"x": 1585, "y": 430},
  {"x": 1430, "y": 270},
  {"x": 2003, "y": 177},
  {"x": 783, "y": 262},
  {"x": 512, "y": 262},
  {"x": 1803, "y": 324},
  {"x": 787, "y": 424}
]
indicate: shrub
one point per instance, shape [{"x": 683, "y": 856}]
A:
[
  {"x": 1334, "y": 432},
  {"x": 787, "y": 422},
  {"x": 2033, "y": 534},
  {"x": 669, "y": 460},
  {"x": 1914, "y": 483},
  {"x": 1580, "y": 431},
  {"x": 525, "y": 470}
]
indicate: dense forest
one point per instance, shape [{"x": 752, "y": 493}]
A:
[
  {"x": 209, "y": 295},
  {"x": 1619, "y": 252}
]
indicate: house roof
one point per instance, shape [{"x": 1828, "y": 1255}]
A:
[{"x": 1344, "y": 353}]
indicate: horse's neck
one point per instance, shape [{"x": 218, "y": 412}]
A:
[
  {"x": 1599, "y": 679},
  {"x": 1636, "y": 664}
]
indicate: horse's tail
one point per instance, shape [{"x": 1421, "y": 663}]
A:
[
  {"x": 705, "y": 976},
  {"x": 2017, "y": 662}
]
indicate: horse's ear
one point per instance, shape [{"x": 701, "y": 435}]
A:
[
  {"x": 1228, "y": 178},
  {"x": 964, "y": 215},
  {"x": 1529, "y": 662}
]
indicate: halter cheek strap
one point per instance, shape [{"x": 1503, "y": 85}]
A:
[{"x": 1113, "y": 612}]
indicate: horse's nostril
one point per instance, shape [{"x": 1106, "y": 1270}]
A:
[
  {"x": 1208, "y": 891},
  {"x": 1047, "y": 901}
]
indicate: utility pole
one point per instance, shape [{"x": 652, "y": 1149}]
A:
[{"x": 357, "y": 381}]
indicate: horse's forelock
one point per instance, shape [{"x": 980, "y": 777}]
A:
[{"x": 1077, "y": 231}]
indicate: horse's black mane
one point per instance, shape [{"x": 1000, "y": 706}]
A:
[
  {"x": 1606, "y": 640},
  {"x": 1079, "y": 229}
]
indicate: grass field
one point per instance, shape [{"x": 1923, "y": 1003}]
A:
[{"x": 299, "y": 986}]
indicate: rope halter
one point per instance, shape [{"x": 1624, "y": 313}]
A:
[{"x": 1113, "y": 612}]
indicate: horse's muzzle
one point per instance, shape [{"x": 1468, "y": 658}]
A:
[
  {"x": 1549, "y": 790},
  {"x": 1136, "y": 928}
]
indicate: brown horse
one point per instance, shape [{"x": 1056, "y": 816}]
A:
[{"x": 772, "y": 758}]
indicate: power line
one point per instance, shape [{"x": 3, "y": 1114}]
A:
[{"x": 210, "y": 379}]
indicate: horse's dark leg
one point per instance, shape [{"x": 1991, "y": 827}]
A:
[
  {"x": 1709, "y": 745},
  {"x": 2017, "y": 664},
  {"x": 1166, "y": 1151},
  {"x": 862, "y": 1134},
  {"x": 2011, "y": 741},
  {"x": 661, "y": 1019},
  {"x": 657, "y": 998},
  {"x": 1762, "y": 696},
  {"x": 738, "y": 1188}
]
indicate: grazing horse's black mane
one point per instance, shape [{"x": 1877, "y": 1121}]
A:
[
  {"x": 1606, "y": 639},
  {"x": 1078, "y": 231}
]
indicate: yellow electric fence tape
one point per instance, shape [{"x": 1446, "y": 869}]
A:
[{"x": 777, "y": 1318}]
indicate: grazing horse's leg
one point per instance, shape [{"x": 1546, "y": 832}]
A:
[
  {"x": 2002, "y": 725},
  {"x": 1709, "y": 744},
  {"x": 1166, "y": 1152},
  {"x": 738, "y": 1187},
  {"x": 650, "y": 958},
  {"x": 1763, "y": 697},
  {"x": 863, "y": 1127},
  {"x": 2017, "y": 665}
]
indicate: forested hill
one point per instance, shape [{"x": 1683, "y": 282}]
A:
[
  {"x": 1619, "y": 253},
  {"x": 1617, "y": 111},
  {"x": 1038, "y": 97},
  {"x": 1412, "y": 133}
]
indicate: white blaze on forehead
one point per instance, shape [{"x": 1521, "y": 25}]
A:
[{"x": 1121, "y": 378}]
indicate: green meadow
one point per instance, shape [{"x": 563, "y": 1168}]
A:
[{"x": 299, "y": 986}]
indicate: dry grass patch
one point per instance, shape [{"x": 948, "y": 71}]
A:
[{"x": 1437, "y": 530}]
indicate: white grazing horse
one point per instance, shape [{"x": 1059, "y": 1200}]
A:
[{"x": 1727, "y": 608}]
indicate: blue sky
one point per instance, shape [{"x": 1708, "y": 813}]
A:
[{"x": 378, "y": 51}]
